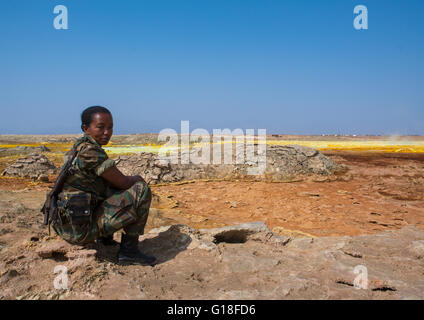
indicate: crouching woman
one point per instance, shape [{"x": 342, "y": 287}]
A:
[{"x": 97, "y": 199}]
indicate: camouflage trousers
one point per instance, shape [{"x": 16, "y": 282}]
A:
[{"x": 127, "y": 210}]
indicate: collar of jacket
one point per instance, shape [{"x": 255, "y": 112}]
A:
[{"x": 89, "y": 138}]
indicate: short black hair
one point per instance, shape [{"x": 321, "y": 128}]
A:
[{"x": 87, "y": 114}]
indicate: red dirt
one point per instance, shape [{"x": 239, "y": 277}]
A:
[{"x": 380, "y": 191}]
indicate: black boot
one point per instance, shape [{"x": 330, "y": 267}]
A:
[
  {"x": 130, "y": 254},
  {"x": 107, "y": 241}
]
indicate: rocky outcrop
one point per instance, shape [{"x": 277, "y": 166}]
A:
[
  {"x": 22, "y": 150},
  {"x": 282, "y": 163},
  {"x": 292, "y": 160},
  {"x": 34, "y": 166}
]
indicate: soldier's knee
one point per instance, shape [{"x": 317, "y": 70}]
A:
[
  {"x": 138, "y": 187},
  {"x": 142, "y": 194}
]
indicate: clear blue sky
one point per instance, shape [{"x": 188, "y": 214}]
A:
[{"x": 295, "y": 67}]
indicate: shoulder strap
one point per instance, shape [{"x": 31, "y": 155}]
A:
[
  {"x": 63, "y": 173},
  {"x": 50, "y": 203}
]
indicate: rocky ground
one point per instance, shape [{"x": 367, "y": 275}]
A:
[
  {"x": 240, "y": 262},
  {"x": 316, "y": 237}
]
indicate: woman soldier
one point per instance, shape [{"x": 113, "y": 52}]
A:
[{"x": 97, "y": 199}]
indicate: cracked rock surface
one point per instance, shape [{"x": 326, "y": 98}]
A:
[
  {"x": 32, "y": 166},
  {"x": 244, "y": 261},
  {"x": 282, "y": 163}
]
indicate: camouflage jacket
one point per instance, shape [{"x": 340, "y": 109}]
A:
[{"x": 86, "y": 170}]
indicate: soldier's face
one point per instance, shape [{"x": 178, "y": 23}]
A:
[{"x": 101, "y": 128}]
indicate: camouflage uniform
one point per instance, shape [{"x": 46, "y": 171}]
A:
[{"x": 109, "y": 209}]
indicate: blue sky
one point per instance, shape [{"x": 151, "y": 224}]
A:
[{"x": 293, "y": 67}]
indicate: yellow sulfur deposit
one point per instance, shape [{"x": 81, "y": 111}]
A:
[
  {"x": 359, "y": 145},
  {"x": 385, "y": 146}
]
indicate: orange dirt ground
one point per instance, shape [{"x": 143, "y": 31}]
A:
[{"x": 380, "y": 191}]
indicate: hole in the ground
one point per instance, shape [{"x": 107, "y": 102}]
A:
[
  {"x": 232, "y": 236},
  {"x": 59, "y": 256}
]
